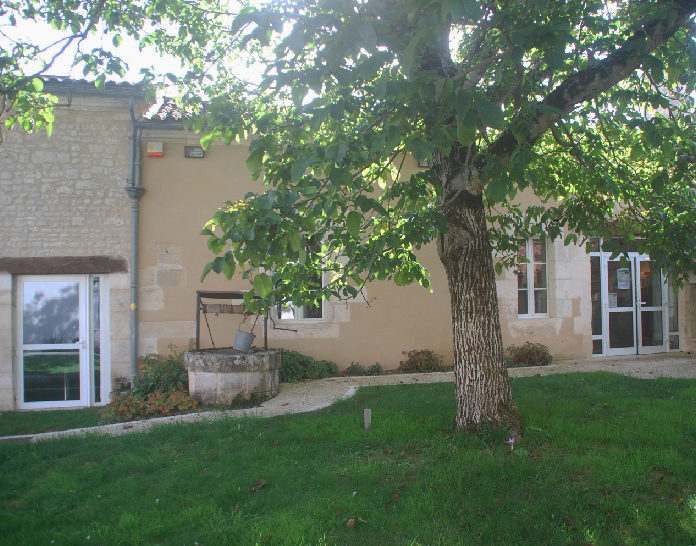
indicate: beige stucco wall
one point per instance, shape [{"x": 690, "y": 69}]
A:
[
  {"x": 183, "y": 193},
  {"x": 64, "y": 196}
]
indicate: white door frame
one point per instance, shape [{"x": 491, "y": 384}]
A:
[
  {"x": 82, "y": 346},
  {"x": 636, "y": 309}
]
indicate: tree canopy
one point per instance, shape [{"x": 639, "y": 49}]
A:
[{"x": 586, "y": 104}]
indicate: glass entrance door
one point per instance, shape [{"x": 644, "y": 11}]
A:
[
  {"x": 53, "y": 359},
  {"x": 620, "y": 333},
  {"x": 634, "y": 297}
]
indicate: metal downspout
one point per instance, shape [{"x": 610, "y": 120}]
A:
[{"x": 135, "y": 192}]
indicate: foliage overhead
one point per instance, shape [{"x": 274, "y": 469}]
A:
[{"x": 588, "y": 105}]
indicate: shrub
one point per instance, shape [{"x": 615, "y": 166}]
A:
[
  {"x": 160, "y": 388},
  {"x": 530, "y": 354},
  {"x": 295, "y": 367},
  {"x": 357, "y": 369},
  {"x": 131, "y": 406},
  {"x": 161, "y": 373},
  {"x": 422, "y": 361}
]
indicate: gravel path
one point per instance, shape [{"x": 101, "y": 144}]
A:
[{"x": 313, "y": 395}]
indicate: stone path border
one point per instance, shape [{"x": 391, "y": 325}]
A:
[{"x": 314, "y": 395}]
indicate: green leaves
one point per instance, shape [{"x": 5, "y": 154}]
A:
[
  {"x": 300, "y": 166},
  {"x": 353, "y": 222},
  {"x": 490, "y": 114},
  {"x": 263, "y": 285},
  {"x": 466, "y": 130}
]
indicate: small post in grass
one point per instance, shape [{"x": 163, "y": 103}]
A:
[{"x": 367, "y": 418}]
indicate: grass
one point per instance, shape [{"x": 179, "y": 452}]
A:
[
  {"x": 605, "y": 460},
  {"x": 33, "y": 422}
]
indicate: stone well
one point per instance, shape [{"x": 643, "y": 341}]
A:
[{"x": 220, "y": 376}]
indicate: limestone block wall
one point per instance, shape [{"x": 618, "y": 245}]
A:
[
  {"x": 64, "y": 195},
  {"x": 567, "y": 328}
]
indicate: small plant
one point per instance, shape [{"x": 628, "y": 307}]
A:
[
  {"x": 131, "y": 407},
  {"x": 355, "y": 369},
  {"x": 530, "y": 354},
  {"x": 422, "y": 361},
  {"x": 161, "y": 373},
  {"x": 295, "y": 367}
]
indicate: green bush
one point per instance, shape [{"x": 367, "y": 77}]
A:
[
  {"x": 131, "y": 406},
  {"x": 160, "y": 388},
  {"x": 422, "y": 361},
  {"x": 295, "y": 367},
  {"x": 161, "y": 373},
  {"x": 530, "y": 354},
  {"x": 357, "y": 369}
]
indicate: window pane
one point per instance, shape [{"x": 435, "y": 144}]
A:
[
  {"x": 51, "y": 312},
  {"x": 620, "y": 280},
  {"x": 522, "y": 276},
  {"x": 596, "y": 346},
  {"x": 539, "y": 276},
  {"x": 540, "y": 301},
  {"x": 620, "y": 330},
  {"x": 650, "y": 285},
  {"x": 285, "y": 312},
  {"x": 596, "y": 295},
  {"x": 673, "y": 342},
  {"x": 312, "y": 311},
  {"x": 522, "y": 302},
  {"x": 673, "y": 300},
  {"x": 651, "y": 328},
  {"x": 51, "y": 375},
  {"x": 539, "y": 251}
]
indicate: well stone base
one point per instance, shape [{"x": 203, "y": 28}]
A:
[{"x": 221, "y": 376}]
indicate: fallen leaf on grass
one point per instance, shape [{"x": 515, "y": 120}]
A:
[
  {"x": 395, "y": 497},
  {"x": 611, "y": 514},
  {"x": 266, "y": 538},
  {"x": 460, "y": 512},
  {"x": 236, "y": 508},
  {"x": 497, "y": 501},
  {"x": 351, "y": 524},
  {"x": 479, "y": 537},
  {"x": 400, "y": 485},
  {"x": 205, "y": 470},
  {"x": 276, "y": 442},
  {"x": 262, "y": 484},
  {"x": 338, "y": 512},
  {"x": 585, "y": 543}
]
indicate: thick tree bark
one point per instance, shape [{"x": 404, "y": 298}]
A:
[{"x": 481, "y": 380}]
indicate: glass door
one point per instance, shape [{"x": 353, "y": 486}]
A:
[
  {"x": 53, "y": 332},
  {"x": 620, "y": 333},
  {"x": 650, "y": 288}
]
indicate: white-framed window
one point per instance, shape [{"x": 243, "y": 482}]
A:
[
  {"x": 532, "y": 279},
  {"x": 303, "y": 313}
]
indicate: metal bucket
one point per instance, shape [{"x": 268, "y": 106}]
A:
[{"x": 243, "y": 341}]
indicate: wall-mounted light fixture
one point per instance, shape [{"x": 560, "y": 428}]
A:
[{"x": 194, "y": 151}]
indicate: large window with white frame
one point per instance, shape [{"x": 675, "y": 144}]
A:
[
  {"x": 532, "y": 279},
  {"x": 303, "y": 313}
]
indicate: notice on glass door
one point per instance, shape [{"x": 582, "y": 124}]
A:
[
  {"x": 623, "y": 278},
  {"x": 613, "y": 300}
]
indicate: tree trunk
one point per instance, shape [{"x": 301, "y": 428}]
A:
[{"x": 481, "y": 379}]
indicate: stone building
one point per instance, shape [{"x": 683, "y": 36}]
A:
[{"x": 72, "y": 321}]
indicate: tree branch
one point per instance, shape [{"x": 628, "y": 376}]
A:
[{"x": 588, "y": 84}]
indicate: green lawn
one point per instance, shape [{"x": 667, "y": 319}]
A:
[
  {"x": 32, "y": 422},
  {"x": 605, "y": 460}
]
